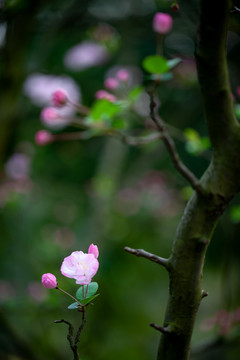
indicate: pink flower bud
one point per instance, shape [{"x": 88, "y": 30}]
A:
[
  {"x": 102, "y": 94},
  {"x": 162, "y": 23},
  {"x": 43, "y": 137},
  {"x": 93, "y": 249},
  {"x": 49, "y": 114},
  {"x": 111, "y": 83},
  {"x": 59, "y": 98},
  {"x": 122, "y": 75},
  {"x": 49, "y": 281}
]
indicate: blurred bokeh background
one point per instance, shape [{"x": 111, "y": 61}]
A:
[{"x": 62, "y": 197}]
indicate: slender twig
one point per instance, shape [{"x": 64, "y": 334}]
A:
[
  {"x": 171, "y": 146},
  {"x": 134, "y": 140},
  {"x": 142, "y": 253},
  {"x": 66, "y": 293},
  {"x": 70, "y": 334},
  {"x": 74, "y": 344},
  {"x": 77, "y": 337},
  {"x": 164, "y": 330}
]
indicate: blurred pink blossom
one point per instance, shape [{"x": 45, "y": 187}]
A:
[
  {"x": 59, "y": 98},
  {"x": 80, "y": 266},
  {"x": 111, "y": 83},
  {"x": 40, "y": 87},
  {"x": 36, "y": 291},
  {"x": 103, "y": 94},
  {"x": 123, "y": 75},
  {"x": 48, "y": 114},
  {"x": 85, "y": 55},
  {"x": 93, "y": 249},
  {"x": 43, "y": 137},
  {"x": 162, "y": 23},
  {"x": 126, "y": 75},
  {"x": 17, "y": 166},
  {"x": 7, "y": 291},
  {"x": 49, "y": 281}
]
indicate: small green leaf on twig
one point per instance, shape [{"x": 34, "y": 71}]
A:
[
  {"x": 173, "y": 62},
  {"x": 86, "y": 291},
  {"x": 155, "y": 64},
  {"x": 74, "y": 305},
  {"x": 89, "y": 299}
]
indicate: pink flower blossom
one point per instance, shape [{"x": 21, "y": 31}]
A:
[
  {"x": 103, "y": 94},
  {"x": 43, "y": 137},
  {"x": 85, "y": 55},
  {"x": 48, "y": 114},
  {"x": 93, "y": 249},
  {"x": 122, "y": 75},
  {"x": 162, "y": 23},
  {"x": 111, "y": 83},
  {"x": 80, "y": 266},
  {"x": 49, "y": 281},
  {"x": 59, "y": 98}
]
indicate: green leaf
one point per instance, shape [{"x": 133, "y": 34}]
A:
[
  {"x": 235, "y": 214},
  {"x": 86, "y": 291},
  {"x": 103, "y": 110},
  {"x": 155, "y": 64},
  {"x": 173, "y": 62},
  {"x": 74, "y": 305},
  {"x": 191, "y": 134},
  {"x": 89, "y": 299}
]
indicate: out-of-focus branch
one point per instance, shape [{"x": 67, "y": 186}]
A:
[
  {"x": 142, "y": 253},
  {"x": 169, "y": 143}
]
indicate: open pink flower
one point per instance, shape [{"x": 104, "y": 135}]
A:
[
  {"x": 80, "y": 266},
  {"x": 49, "y": 281}
]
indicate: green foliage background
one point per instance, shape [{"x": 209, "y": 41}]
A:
[{"x": 100, "y": 191}]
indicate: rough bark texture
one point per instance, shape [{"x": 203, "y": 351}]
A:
[{"x": 220, "y": 183}]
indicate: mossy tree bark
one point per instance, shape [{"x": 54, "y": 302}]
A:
[{"x": 219, "y": 184}]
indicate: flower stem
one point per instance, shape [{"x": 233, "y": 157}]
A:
[{"x": 65, "y": 292}]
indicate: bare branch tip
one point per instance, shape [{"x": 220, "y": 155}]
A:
[
  {"x": 162, "y": 329},
  {"x": 204, "y": 293}
]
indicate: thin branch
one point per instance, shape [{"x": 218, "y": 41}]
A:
[
  {"x": 164, "y": 330},
  {"x": 70, "y": 332},
  {"x": 142, "y": 253},
  {"x": 171, "y": 147},
  {"x": 77, "y": 337},
  {"x": 134, "y": 140}
]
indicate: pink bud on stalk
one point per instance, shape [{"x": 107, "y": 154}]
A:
[
  {"x": 111, "y": 83},
  {"x": 49, "y": 281},
  {"x": 93, "y": 249},
  {"x": 122, "y": 75},
  {"x": 162, "y": 23},
  {"x": 103, "y": 94},
  {"x": 59, "y": 98},
  {"x": 43, "y": 137}
]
